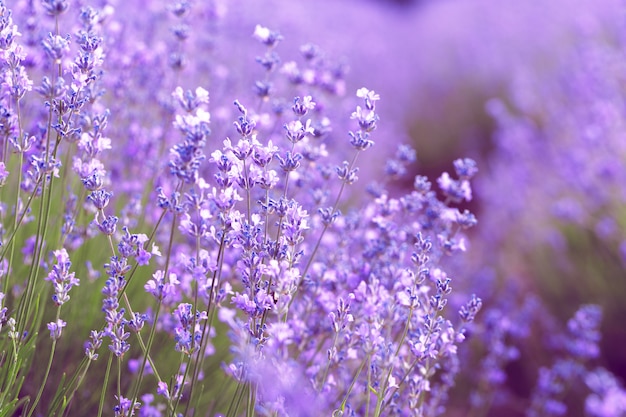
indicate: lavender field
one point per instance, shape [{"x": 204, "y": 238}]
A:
[{"x": 312, "y": 208}]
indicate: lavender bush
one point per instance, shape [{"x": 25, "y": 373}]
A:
[
  {"x": 184, "y": 232},
  {"x": 212, "y": 254}
]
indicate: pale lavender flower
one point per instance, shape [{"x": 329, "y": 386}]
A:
[
  {"x": 56, "y": 327},
  {"x": 608, "y": 397},
  {"x": 267, "y": 36},
  {"x": 55, "y": 7},
  {"x": 93, "y": 344},
  {"x": 62, "y": 279},
  {"x": 581, "y": 345},
  {"x": 161, "y": 288},
  {"x": 3, "y": 174},
  {"x": 188, "y": 330},
  {"x": 125, "y": 408}
]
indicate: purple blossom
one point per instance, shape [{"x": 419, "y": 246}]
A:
[
  {"x": 267, "y": 36},
  {"x": 93, "y": 344},
  {"x": 159, "y": 287},
  {"x": 62, "y": 279},
  {"x": 99, "y": 198},
  {"x": 584, "y": 331},
  {"x": 3, "y": 174},
  {"x": 108, "y": 225},
  {"x": 56, "y": 327},
  {"x": 188, "y": 330},
  {"x": 55, "y": 7},
  {"x": 608, "y": 397},
  {"x": 125, "y": 407}
]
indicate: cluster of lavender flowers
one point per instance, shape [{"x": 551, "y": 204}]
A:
[
  {"x": 222, "y": 258},
  {"x": 189, "y": 226}
]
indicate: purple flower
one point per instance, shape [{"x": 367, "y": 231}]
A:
[
  {"x": 468, "y": 312},
  {"x": 124, "y": 408},
  {"x": 56, "y": 327},
  {"x": 93, "y": 344},
  {"x": 118, "y": 335},
  {"x": 3, "y": 174},
  {"x": 55, "y": 7},
  {"x": 267, "y": 36},
  {"x": 159, "y": 287},
  {"x": 56, "y": 47},
  {"x": 108, "y": 225},
  {"x": 99, "y": 198},
  {"x": 302, "y": 106},
  {"x": 62, "y": 279},
  {"x": 188, "y": 330},
  {"x": 608, "y": 397}
]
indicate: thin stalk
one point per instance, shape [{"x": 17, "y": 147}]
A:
[
  {"x": 79, "y": 378},
  {"x": 105, "y": 384},
  {"x": 356, "y": 377},
  {"x": 319, "y": 239},
  {"x": 146, "y": 353},
  {"x": 208, "y": 324},
  {"x": 5, "y": 286},
  {"x": 42, "y": 229},
  {"x": 251, "y": 400},
  {"x": 369, "y": 384},
  {"x": 383, "y": 388},
  {"x": 119, "y": 379},
  {"x": 236, "y": 400},
  {"x": 21, "y": 217},
  {"x": 248, "y": 196},
  {"x": 182, "y": 387},
  {"x": 241, "y": 395},
  {"x": 325, "y": 375},
  {"x": 153, "y": 329},
  {"x": 47, "y": 373}
]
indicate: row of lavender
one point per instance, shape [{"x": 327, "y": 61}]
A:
[{"x": 200, "y": 215}]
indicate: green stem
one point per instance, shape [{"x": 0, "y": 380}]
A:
[
  {"x": 328, "y": 364},
  {"x": 356, "y": 377},
  {"x": 105, "y": 383},
  {"x": 208, "y": 324},
  {"x": 146, "y": 354},
  {"x": 251, "y": 400},
  {"x": 383, "y": 388},
  {"x": 47, "y": 373},
  {"x": 78, "y": 378}
]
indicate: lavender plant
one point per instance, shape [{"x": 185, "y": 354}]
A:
[
  {"x": 184, "y": 231},
  {"x": 224, "y": 259}
]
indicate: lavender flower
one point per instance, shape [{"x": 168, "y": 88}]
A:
[
  {"x": 125, "y": 407},
  {"x": 608, "y": 398},
  {"x": 55, "y": 7},
  {"x": 62, "y": 279},
  {"x": 56, "y": 328},
  {"x": 581, "y": 345},
  {"x": 188, "y": 330}
]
